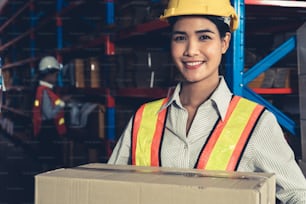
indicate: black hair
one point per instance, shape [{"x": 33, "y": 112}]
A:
[{"x": 222, "y": 27}]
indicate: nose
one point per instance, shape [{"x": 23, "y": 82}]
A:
[{"x": 192, "y": 48}]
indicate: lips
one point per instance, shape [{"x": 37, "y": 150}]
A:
[{"x": 193, "y": 64}]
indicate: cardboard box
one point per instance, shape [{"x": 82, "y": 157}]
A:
[
  {"x": 257, "y": 82},
  {"x": 98, "y": 183},
  {"x": 95, "y": 76},
  {"x": 282, "y": 77},
  {"x": 79, "y": 73}
]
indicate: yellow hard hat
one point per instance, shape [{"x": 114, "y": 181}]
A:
[{"x": 202, "y": 7}]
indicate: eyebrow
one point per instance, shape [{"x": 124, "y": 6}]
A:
[{"x": 197, "y": 32}]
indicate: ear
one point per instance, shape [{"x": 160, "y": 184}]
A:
[{"x": 226, "y": 42}]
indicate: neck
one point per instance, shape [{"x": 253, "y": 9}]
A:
[{"x": 194, "y": 94}]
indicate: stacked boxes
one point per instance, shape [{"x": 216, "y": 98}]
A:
[
  {"x": 94, "y": 72},
  {"x": 87, "y": 73},
  {"x": 273, "y": 78},
  {"x": 79, "y": 73},
  {"x": 7, "y": 78}
]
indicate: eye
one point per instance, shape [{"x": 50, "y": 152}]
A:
[
  {"x": 204, "y": 37},
  {"x": 179, "y": 38}
]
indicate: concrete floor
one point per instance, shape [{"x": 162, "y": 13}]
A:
[
  {"x": 18, "y": 167},
  {"x": 17, "y": 171}
]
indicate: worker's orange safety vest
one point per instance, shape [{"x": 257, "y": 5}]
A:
[
  {"x": 223, "y": 149},
  {"x": 37, "y": 115}
]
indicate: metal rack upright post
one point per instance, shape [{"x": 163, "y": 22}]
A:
[{"x": 238, "y": 79}]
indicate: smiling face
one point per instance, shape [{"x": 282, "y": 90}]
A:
[{"x": 197, "y": 48}]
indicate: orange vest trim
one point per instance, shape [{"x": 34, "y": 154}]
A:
[
  {"x": 223, "y": 148},
  {"x": 146, "y": 138}
]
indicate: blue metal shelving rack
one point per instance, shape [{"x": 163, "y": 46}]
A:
[{"x": 238, "y": 79}]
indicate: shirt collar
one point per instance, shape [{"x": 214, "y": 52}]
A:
[
  {"x": 221, "y": 97},
  {"x": 44, "y": 83}
]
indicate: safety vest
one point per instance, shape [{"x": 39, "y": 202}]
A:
[
  {"x": 37, "y": 115},
  {"x": 222, "y": 150}
]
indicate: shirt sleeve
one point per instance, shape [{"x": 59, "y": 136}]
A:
[
  {"x": 121, "y": 154},
  {"x": 272, "y": 153},
  {"x": 48, "y": 110}
]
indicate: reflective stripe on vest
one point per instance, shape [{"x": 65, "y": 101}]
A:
[
  {"x": 223, "y": 149},
  {"x": 225, "y": 145},
  {"x": 147, "y": 132}
]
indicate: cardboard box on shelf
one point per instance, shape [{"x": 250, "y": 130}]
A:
[
  {"x": 282, "y": 77},
  {"x": 7, "y": 78},
  {"x": 101, "y": 183},
  {"x": 257, "y": 82},
  {"x": 95, "y": 77},
  {"x": 273, "y": 78},
  {"x": 79, "y": 73},
  {"x": 269, "y": 78}
]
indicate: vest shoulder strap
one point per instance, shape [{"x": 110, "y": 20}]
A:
[
  {"x": 147, "y": 131},
  {"x": 225, "y": 145}
]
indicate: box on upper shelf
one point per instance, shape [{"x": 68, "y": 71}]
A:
[{"x": 276, "y": 77}]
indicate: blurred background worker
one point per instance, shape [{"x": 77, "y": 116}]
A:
[{"x": 48, "y": 114}]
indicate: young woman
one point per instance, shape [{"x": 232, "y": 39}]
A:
[{"x": 202, "y": 124}]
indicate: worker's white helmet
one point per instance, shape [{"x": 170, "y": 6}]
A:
[{"x": 48, "y": 63}]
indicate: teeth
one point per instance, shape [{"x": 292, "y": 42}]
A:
[{"x": 193, "y": 63}]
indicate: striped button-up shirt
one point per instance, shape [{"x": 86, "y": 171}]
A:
[{"x": 266, "y": 151}]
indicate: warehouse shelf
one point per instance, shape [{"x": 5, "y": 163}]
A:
[
  {"x": 41, "y": 32},
  {"x": 15, "y": 111},
  {"x": 142, "y": 29},
  {"x": 154, "y": 93},
  {"x": 273, "y": 90},
  {"x": 142, "y": 92},
  {"x": 32, "y": 30},
  {"x": 86, "y": 91},
  {"x": 17, "y": 88},
  {"x": 72, "y": 5},
  {"x": 4, "y": 25},
  {"x": 19, "y": 63},
  {"x": 25, "y": 34},
  {"x": 97, "y": 41},
  {"x": 238, "y": 80}
]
